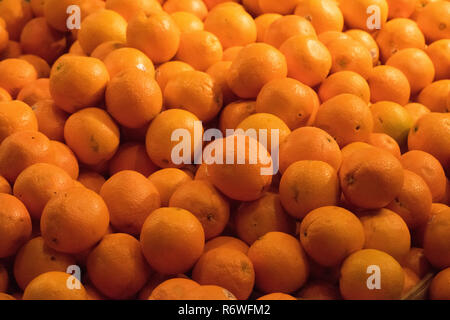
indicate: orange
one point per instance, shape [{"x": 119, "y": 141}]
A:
[
  {"x": 413, "y": 203},
  {"x": 196, "y": 7},
  {"x": 157, "y": 35},
  {"x": 203, "y": 200},
  {"x": 431, "y": 134},
  {"x": 55, "y": 12},
  {"x": 371, "y": 178},
  {"x": 105, "y": 48},
  {"x": 4, "y": 186},
  {"x": 367, "y": 40},
  {"x": 139, "y": 91},
  {"x": 91, "y": 180},
  {"x": 172, "y": 240},
  {"x": 232, "y": 25},
  {"x": 309, "y": 143},
  {"x": 389, "y": 84},
  {"x": 263, "y": 23},
  {"x": 399, "y": 34},
  {"x": 357, "y": 15},
  {"x": 53, "y": 286},
  {"x": 40, "y": 39},
  {"x": 401, "y": 8},
  {"x": 16, "y": 116},
  {"x": 4, "y": 95},
  {"x": 384, "y": 141},
  {"x": 15, "y": 13},
  {"x": 38, "y": 7},
  {"x": 218, "y": 72},
  {"x": 417, "y": 262},
  {"x": 231, "y": 53},
  {"x": 130, "y": 198},
  {"x": 234, "y": 113},
  {"x": 308, "y": 185},
  {"x": 290, "y": 100},
  {"x": 429, "y": 168},
  {"x": 76, "y": 50},
  {"x": 344, "y": 82},
  {"x": 286, "y": 27},
  {"x": 319, "y": 290},
  {"x": 22, "y": 149},
  {"x": 187, "y": 21},
  {"x": 226, "y": 242},
  {"x": 36, "y": 258},
  {"x": 212, "y": 3},
  {"x": 132, "y": 156},
  {"x": 346, "y": 117},
  {"x": 13, "y": 50},
  {"x": 308, "y": 60},
  {"x": 249, "y": 173},
  {"x": 439, "y": 288},
  {"x": 65, "y": 224},
  {"x": 159, "y": 142},
  {"x": 209, "y": 292},
  {"x": 415, "y": 65},
  {"x": 200, "y": 49},
  {"x": 77, "y": 82},
  {"x": 434, "y": 19},
  {"x": 99, "y": 27},
  {"x": 392, "y": 119},
  {"x": 255, "y": 65},
  {"x": 434, "y": 96},
  {"x": 35, "y": 91},
  {"x": 167, "y": 181},
  {"x": 329, "y": 234},
  {"x": 355, "y": 276},
  {"x": 411, "y": 281},
  {"x": 64, "y": 158},
  {"x": 253, "y": 220},
  {"x": 328, "y": 36},
  {"x": 173, "y": 289},
  {"x": 436, "y": 240},
  {"x": 41, "y": 66},
  {"x": 4, "y": 279},
  {"x": 50, "y": 118},
  {"x": 169, "y": 70},
  {"x": 324, "y": 15},
  {"x": 16, "y": 74},
  {"x": 439, "y": 53},
  {"x": 130, "y": 8},
  {"x": 4, "y": 296},
  {"x": 416, "y": 110},
  {"x": 350, "y": 55},
  {"x": 228, "y": 268},
  {"x": 420, "y": 6},
  {"x": 194, "y": 91},
  {"x": 277, "y": 296},
  {"x": 386, "y": 231},
  {"x": 279, "y": 262},
  {"x": 281, "y": 7},
  {"x": 15, "y": 225},
  {"x": 117, "y": 267},
  {"x": 125, "y": 58},
  {"x": 37, "y": 184}
]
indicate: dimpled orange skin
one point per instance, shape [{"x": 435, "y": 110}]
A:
[
  {"x": 65, "y": 224},
  {"x": 172, "y": 240},
  {"x": 15, "y": 225},
  {"x": 157, "y": 35},
  {"x": 234, "y": 113},
  {"x": 132, "y": 156},
  {"x": 434, "y": 19},
  {"x": 139, "y": 92},
  {"x": 286, "y": 27},
  {"x": 129, "y": 189},
  {"x": 169, "y": 70},
  {"x": 16, "y": 116},
  {"x": 435, "y": 95},
  {"x": 209, "y": 292},
  {"x": 196, "y": 7},
  {"x": 329, "y": 234},
  {"x": 35, "y": 91},
  {"x": 167, "y": 181},
  {"x": 280, "y": 263},
  {"x": 125, "y": 58},
  {"x": 194, "y": 91},
  {"x": 158, "y": 139},
  {"x": 218, "y": 72},
  {"x": 243, "y": 182},
  {"x": 228, "y": 268},
  {"x": 368, "y": 41},
  {"x": 15, "y": 15},
  {"x": 356, "y": 15},
  {"x": 436, "y": 242},
  {"x": 36, "y": 258},
  {"x": 263, "y": 22},
  {"x": 255, "y": 65},
  {"x": 15, "y": 74},
  {"x": 309, "y": 143},
  {"x": 386, "y": 142},
  {"x": 324, "y": 15},
  {"x": 371, "y": 178},
  {"x": 440, "y": 286},
  {"x": 439, "y": 53},
  {"x": 117, "y": 267},
  {"x": 389, "y": 84},
  {"x": 344, "y": 82},
  {"x": 227, "y": 242},
  {"x": 64, "y": 158},
  {"x": 130, "y": 8},
  {"x": 284, "y": 7},
  {"x": 37, "y": 184},
  {"x": 4, "y": 279},
  {"x": 4, "y": 186},
  {"x": 187, "y": 21},
  {"x": 77, "y": 82},
  {"x": 173, "y": 289}
]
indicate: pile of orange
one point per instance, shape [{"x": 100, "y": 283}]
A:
[{"x": 358, "y": 210}]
